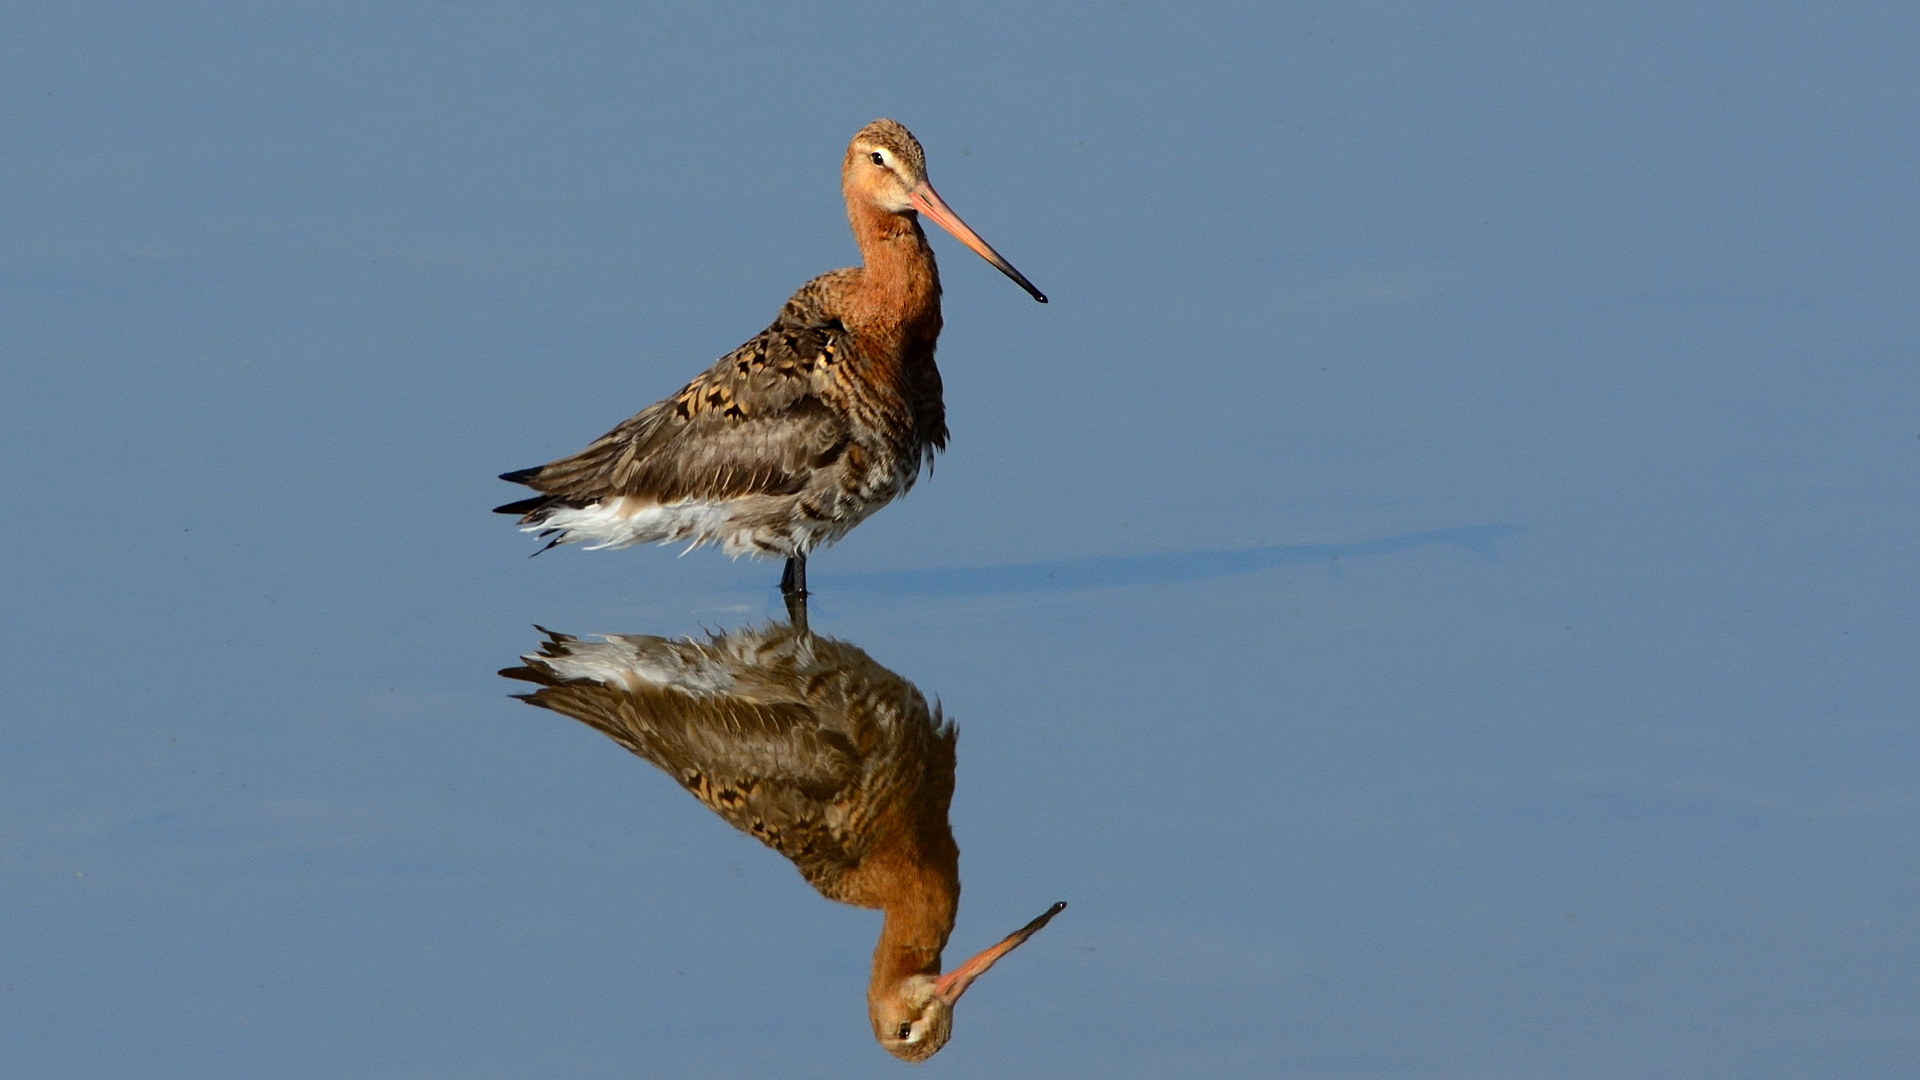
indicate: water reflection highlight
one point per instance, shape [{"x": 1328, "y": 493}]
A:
[
  {"x": 1062, "y": 575},
  {"x": 823, "y": 755}
]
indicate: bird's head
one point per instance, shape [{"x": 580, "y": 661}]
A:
[
  {"x": 914, "y": 1021},
  {"x": 885, "y": 168},
  {"x": 914, "y": 1018}
]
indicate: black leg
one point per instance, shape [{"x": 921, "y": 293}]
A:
[
  {"x": 793, "y": 589},
  {"x": 793, "y": 581}
]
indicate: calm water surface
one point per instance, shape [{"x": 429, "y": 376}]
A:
[{"x": 1434, "y": 591}]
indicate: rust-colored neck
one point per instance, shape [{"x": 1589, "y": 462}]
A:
[
  {"x": 898, "y": 297},
  {"x": 921, "y": 895},
  {"x": 911, "y": 941}
]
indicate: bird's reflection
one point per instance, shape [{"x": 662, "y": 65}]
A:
[{"x": 820, "y": 753}]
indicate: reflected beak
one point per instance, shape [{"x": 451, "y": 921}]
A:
[
  {"x": 950, "y": 986},
  {"x": 928, "y": 201}
]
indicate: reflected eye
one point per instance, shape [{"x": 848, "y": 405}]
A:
[
  {"x": 905, "y": 1029},
  {"x": 877, "y": 158}
]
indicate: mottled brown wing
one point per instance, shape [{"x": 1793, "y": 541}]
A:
[
  {"x": 770, "y": 767},
  {"x": 752, "y": 424}
]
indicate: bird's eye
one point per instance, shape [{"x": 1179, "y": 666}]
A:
[
  {"x": 905, "y": 1029},
  {"x": 877, "y": 158}
]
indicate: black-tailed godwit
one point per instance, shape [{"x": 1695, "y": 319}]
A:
[
  {"x": 821, "y": 754},
  {"x": 795, "y": 437}
]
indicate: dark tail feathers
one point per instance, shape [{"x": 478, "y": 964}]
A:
[{"x": 524, "y": 506}]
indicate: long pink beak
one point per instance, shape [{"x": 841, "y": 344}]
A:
[
  {"x": 954, "y": 983},
  {"x": 928, "y": 201}
]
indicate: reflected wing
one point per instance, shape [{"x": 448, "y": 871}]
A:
[
  {"x": 755, "y": 423},
  {"x": 761, "y": 756}
]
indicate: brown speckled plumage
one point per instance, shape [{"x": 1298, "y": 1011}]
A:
[
  {"x": 801, "y": 741},
  {"x": 788, "y": 442},
  {"x": 809, "y": 746}
]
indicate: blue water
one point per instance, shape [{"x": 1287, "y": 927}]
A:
[{"x": 1434, "y": 590}]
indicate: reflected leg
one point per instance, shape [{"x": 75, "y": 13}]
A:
[{"x": 797, "y": 611}]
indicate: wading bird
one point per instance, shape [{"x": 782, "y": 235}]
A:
[
  {"x": 792, "y": 439},
  {"x": 823, "y": 755}
]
